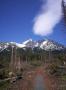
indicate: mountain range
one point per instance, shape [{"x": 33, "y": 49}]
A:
[{"x": 45, "y": 44}]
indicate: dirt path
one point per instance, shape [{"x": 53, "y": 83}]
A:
[
  {"x": 50, "y": 82},
  {"x": 29, "y": 79}
]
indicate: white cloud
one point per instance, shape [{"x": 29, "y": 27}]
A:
[
  {"x": 46, "y": 20},
  {"x": 65, "y": 2}
]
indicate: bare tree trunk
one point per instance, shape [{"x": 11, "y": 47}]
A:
[{"x": 11, "y": 63}]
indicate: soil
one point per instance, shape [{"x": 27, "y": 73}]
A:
[{"x": 27, "y": 83}]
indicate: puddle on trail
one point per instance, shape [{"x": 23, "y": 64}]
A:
[{"x": 39, "y": 83}]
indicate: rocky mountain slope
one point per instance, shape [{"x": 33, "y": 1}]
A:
[{"x": 41, "y": 44}]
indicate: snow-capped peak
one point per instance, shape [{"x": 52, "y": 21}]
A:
[
  {"x": 50, "y": 45},
  {"x": 42, "y": 44},
  {"x": 27, "y": 41}
]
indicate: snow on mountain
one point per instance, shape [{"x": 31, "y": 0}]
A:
[
  {"x": 29, "y": 40},
  {"x": 36, "y": 44},
  {"x": 30, "y": 43},
  {"x": 3, "y": 46},
  {"x": 42, "y": 44},
  {"x": 20, "y": 45},
  {"x": 50, "y": 45}
]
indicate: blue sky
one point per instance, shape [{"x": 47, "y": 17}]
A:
[{"x": 16, "y": 21}]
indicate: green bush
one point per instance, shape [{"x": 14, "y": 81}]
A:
[{"x": 4, "y": 85}]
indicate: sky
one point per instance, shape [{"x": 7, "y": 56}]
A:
[{"x": 37, "y": 19}]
